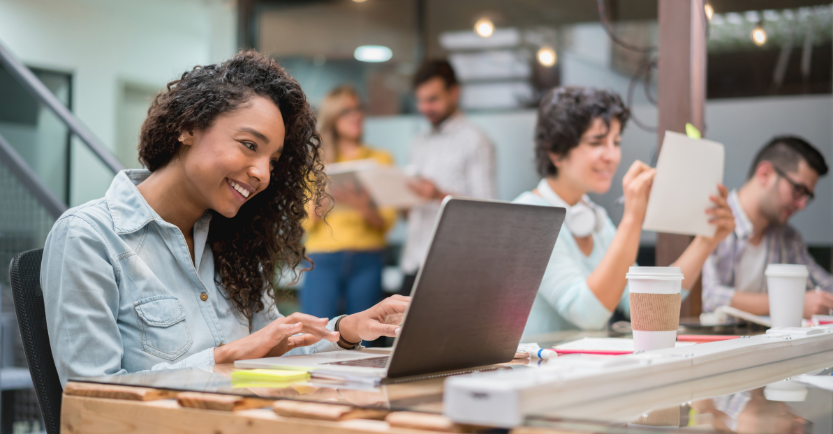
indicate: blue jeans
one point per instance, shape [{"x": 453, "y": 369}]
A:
[{"x": 351, "y": 277}]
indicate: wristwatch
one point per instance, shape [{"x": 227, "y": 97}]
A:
[{"x": 343, "y": 343}]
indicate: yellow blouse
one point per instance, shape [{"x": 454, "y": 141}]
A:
[{"x": 345, "y": 228}]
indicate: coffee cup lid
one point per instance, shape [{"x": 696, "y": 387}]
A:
[
  {"x": 655, "y": 273},
  {"x": 786, "y": 270}
]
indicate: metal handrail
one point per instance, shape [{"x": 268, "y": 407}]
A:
[
  {"x": 31, "y": 83},
  {"x": 30, "y": 179}
]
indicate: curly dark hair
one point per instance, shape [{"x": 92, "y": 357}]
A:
[
  {"x": 264, "y": 237},
  {"x": 564, "y": 114}
]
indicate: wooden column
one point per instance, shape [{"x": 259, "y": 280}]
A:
[{"x": 682, "y": 97}]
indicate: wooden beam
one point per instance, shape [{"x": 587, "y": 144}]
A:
[{"x": 682, "y": 98}]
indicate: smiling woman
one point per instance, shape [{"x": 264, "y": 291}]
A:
[
  {"x": 175, "y": 266},
  {"x": 577, "y": 152}
]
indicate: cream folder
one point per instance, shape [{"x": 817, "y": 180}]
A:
[
  {"x": 688, "y": 171},
  {"x": 386, "y": 185}
]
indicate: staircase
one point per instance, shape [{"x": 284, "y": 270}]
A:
[{"x": 38, "y": 136}]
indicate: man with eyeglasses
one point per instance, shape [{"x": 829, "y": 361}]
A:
[{"x": 780, "y": 183}]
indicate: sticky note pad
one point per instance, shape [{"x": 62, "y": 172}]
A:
[{"x": 269, "y": 375}]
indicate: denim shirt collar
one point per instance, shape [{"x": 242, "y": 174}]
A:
[{"x": 130, "y": 210}]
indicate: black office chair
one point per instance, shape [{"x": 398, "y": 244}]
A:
[{"x": 31, "y": 317}]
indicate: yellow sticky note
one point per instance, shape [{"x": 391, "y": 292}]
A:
[
  {"x": 269, "y": 375},
  {"x": 692, "y": 132}
]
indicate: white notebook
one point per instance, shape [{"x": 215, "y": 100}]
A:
[
  {"x": 386, "y": 185},
  {"x": 688, "y": 171}
]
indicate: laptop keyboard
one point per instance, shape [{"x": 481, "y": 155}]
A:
[{"x": 371, "y": 362}]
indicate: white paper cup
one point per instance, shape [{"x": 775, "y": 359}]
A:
[
  {"x": 786, "y": 285},
  {"x": 785, "y": 391},
  {"x": 655, "y": 306}
]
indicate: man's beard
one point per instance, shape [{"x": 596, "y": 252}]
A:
[{"x": 770, "y": 210}]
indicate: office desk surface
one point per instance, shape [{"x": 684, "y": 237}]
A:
[{"x": 753, "y": 400}]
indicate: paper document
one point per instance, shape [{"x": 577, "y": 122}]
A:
[
  {"x": 688, "y": 171},
  {"x": 820, "y": 381},
  {"x": 386, "y": 185},
  {"x": 605, "y": 344}
]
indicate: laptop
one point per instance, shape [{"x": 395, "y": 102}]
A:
[{"x": 470, "y": 301}]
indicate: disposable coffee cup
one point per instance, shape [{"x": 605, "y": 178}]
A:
[
  {"x": 664, "y": 417},
  {"x": 655, "y": 306},
  {"x": 785, "y": 391},
  {"x": 786, "y": 284}
]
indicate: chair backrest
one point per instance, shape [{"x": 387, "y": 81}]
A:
[{"x": 31, "y": 317}]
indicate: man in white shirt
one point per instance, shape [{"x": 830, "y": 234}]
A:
[{"x": 452, "y": 158}]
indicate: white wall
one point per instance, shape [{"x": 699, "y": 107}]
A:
[
  {"x": 742, "y": 125},
  {"x": 106, "y": 42}
]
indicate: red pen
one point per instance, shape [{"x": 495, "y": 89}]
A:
[
  {"x": 701, "y": 339},
  {"x": 597, "y": 352}
]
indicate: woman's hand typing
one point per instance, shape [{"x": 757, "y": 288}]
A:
[
  {"x": 276, "y": 339},
  {"x": 383, "y": 319}
]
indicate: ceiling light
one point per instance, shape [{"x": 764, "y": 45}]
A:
[
  {"x": 708, "y": 8},
  {"x": 759, "y": 34},
  {"x": 546, "y": 56},
  {"x": 372, "y": 53},
  {"x": 484, "y": 27},
  {"x": 359, "y": 1}
]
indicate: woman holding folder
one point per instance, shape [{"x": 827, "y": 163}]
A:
[
  {"x": 577, "y": 152},
  {"x": 347, "y": 248}
]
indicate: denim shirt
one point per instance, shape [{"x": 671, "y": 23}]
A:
[{"x": 122, "y": 294}]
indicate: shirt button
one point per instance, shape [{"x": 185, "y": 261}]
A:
[{"x": 203, "y": 296}]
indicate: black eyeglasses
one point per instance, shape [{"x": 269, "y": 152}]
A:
[{"x": 800, "y": 190}]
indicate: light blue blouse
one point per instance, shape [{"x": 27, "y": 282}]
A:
[
  {"x": 122, "y": 294},
  {"x": 564, "y": 301}
]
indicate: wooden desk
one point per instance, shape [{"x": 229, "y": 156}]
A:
[
  {"x": 116, "y": 409},
  {"x": 134, "y": 404},
  {"x": 161, "y": 402}
]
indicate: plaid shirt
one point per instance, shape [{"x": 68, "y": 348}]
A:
[{"x": 784, "y": 246}]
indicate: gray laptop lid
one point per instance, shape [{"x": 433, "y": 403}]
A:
[{"x": 473, "y": 296}]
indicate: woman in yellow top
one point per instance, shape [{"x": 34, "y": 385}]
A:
[{"x": 347, "y": 249}]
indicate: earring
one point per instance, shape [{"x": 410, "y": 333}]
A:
[{"x": 182, "y": 137}]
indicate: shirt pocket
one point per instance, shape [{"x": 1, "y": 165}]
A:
[{"x": 165, "y": 331}]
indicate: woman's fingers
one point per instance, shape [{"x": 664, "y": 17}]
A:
[
  {"x": 301, "y": 341},
  {"x": 636, "y": 168},
  {"x": 719, "y": 212},
  {"x": 395, "y": 319},
  {"x": 389, "y": 330},
  {"x": 392, "y": 305},
  {"x": 719, "y": 201},
  {"x": 311, "y": 325},
  {"x": 283, "y": 331},
  {"x": 643, "y": 181},
  {"x": 724, "y": 192}
]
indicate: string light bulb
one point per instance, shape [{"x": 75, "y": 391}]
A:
[
  {"x": 547, "y": 56},
  {"x": 709, "y": 10},
  {"x": 759, "y": 34},
  {"x": 484, "y": 27}
]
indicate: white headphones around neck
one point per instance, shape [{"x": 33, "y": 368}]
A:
[{"x": 583, "y": 218}]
